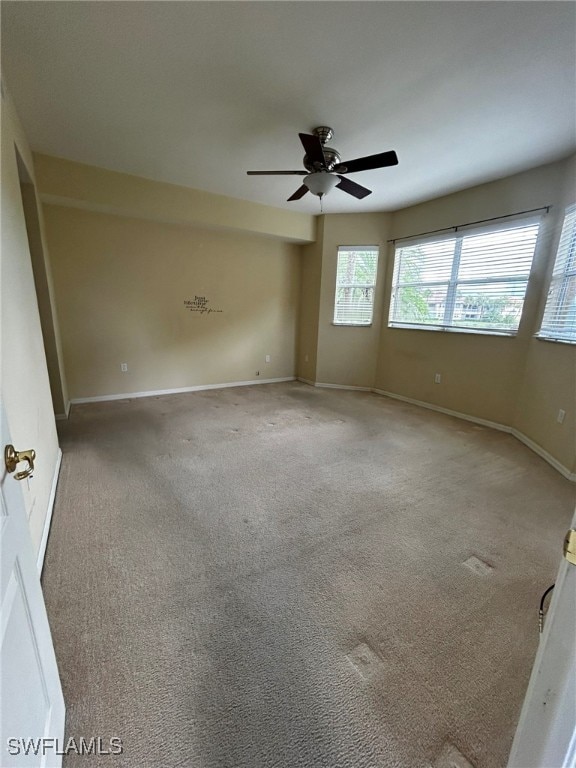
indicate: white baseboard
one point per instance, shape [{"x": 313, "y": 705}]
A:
[
  {"x": 48, "y": 520},
  {"x": 177, "y": 391},
  {"x": 340, "y": 386},
  {"x": 447, "y": 411},
  {"x": 493, "y": 425},
  {"x": 305, "y": 381},
  {"x": 544, "y": 455},
  {"x": 63, "y": 416}
]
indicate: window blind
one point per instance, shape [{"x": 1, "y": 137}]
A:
[
  {"x": 473, "y": 280},
  {"x": 559, "y": 321},
  {"x": 355, "y": 284}
]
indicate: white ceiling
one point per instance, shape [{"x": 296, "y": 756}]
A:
[{"x": 197, "y": 93}]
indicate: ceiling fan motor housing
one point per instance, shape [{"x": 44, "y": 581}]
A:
[
  {"x": 332, "y": 159},
  {"x": 324, "y": 133}
]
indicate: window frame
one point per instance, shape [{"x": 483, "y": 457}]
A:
[
  {"x": 563, "y": 277},
  {"x": 371, "y": 286},
  {"x": 458, "y": 234}
]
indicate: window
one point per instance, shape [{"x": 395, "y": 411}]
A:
[
  {"x": 355, "y": 283},
  {"x": 559, "y": 321},
  {"x": 474, "y": 280}
]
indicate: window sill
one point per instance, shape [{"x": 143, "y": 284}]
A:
[
  {"x": 468, "y": 331},
  {"x": 352, "y": 325},
  {"x": 555, "y": 341}
]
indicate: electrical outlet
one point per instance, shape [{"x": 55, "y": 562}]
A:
[
  {"x": 124, "y": 367},
  {"x": 267, "y": 358},
  {"x": 437, "y": 378},
  {"x": 561, "y": 415},
  {"x": 305, "y": 358}
]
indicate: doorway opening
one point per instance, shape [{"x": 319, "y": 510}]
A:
[{"x": 44, "y": 291}]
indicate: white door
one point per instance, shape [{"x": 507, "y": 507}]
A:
[
  {"x": 546, "y": 733},
  {"x": 32, "y": 706}
]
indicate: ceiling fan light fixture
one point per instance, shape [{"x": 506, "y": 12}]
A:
[{"x": 320, "y": 183}]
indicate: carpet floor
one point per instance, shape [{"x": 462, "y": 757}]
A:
[{"x": 280, "y": 576}]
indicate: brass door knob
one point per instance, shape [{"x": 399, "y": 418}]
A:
[{"x": 12, "y": 458}]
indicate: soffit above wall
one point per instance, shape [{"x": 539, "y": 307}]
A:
[{"x": 63, "y": 182}]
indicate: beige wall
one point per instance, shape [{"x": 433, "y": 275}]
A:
[
  {"x": 483, "y": 376},
  {"x": 310, "y": 282},
  {"x": 549, "y": 376},
  {"x": 548, "y": 385},
  {"x": 24, "y": 380},
  {"x": 121, "y": 284},
  {"x": 479, "y": 374},
  {"x": 348, "y": 355}
]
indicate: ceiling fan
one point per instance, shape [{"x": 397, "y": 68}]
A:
[{"x": 324, "y": 167}]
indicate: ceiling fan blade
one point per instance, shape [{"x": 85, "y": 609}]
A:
[
  {"x": 313, "y": 147},
  {"x": 277, "y": 173},
  {"x": 383, "y": 160},
  {"x": 300, "y": 192},
  {"x": 347, "y": 185}
]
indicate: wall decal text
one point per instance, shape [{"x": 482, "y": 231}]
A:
[{"x": 199, "y": 304}]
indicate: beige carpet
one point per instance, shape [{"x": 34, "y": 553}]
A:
[{"x": 274, "y": 577}]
